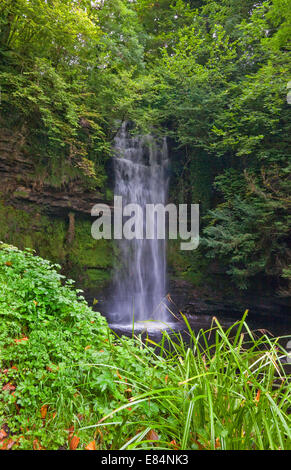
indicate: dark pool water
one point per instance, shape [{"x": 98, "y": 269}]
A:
[{"x": 273, "y": 327}]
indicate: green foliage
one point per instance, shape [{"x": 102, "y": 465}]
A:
[
  {"x": 58, "y": 324},
  {"x": 250, "y": 231},
  {"x": 57, "y": 61},
  {"x": 280, "y": 17},
  {"x": 63, "y": 372},
  {"x": 51, "y": 344}
]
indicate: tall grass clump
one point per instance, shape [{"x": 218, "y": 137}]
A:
[{"x": 226, "y": 390}]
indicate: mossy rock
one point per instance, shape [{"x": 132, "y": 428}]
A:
[{"x": 88, "y": 261}]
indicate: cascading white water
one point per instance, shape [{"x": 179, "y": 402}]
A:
[{"x": 141, "y": 177}]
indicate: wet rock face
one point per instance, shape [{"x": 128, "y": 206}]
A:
[
  {"x": 54, "y": 220},
  {"x": 204, "y": 303},
  {"x": 54, "y": 202},
  {"x": 18, "y": 190},
  {"x": 208, "y": 300},
  {"x": 23, "y": 190}
]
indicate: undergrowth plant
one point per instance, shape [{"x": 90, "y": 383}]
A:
[
  {"x": 49, "y": 338},
  {"x": 67, "y": 381},
  {"x": 230, "y": 393}
]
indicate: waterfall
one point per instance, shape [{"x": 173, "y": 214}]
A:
[{"x": 141, "y": 176}]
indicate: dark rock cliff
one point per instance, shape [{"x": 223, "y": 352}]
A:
[
  {"x": 53, "y": 219},
  {"x": 22, "y": 188}
]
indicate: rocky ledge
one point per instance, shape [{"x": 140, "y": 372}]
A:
[{"x": 21, "y": 189}]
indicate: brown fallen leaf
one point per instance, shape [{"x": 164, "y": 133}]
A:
[
  {"x": 9, "y": 387},
  {"x": 74, "y": 442},
  {"x": 91, "y": 446},
  {"x": 37, "y": 446},
  {"x": 174, "y": 445},
  {"x": 257, "y": 399},
  {"x": 71, "y": 432},
  {"x": 19, "y": 340},
  {"x": 8, "y": 444},
  {"x": 152, "y": 435},
  {"x": 43, "y": 411},
  {"x": 3, "y": 434}
]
